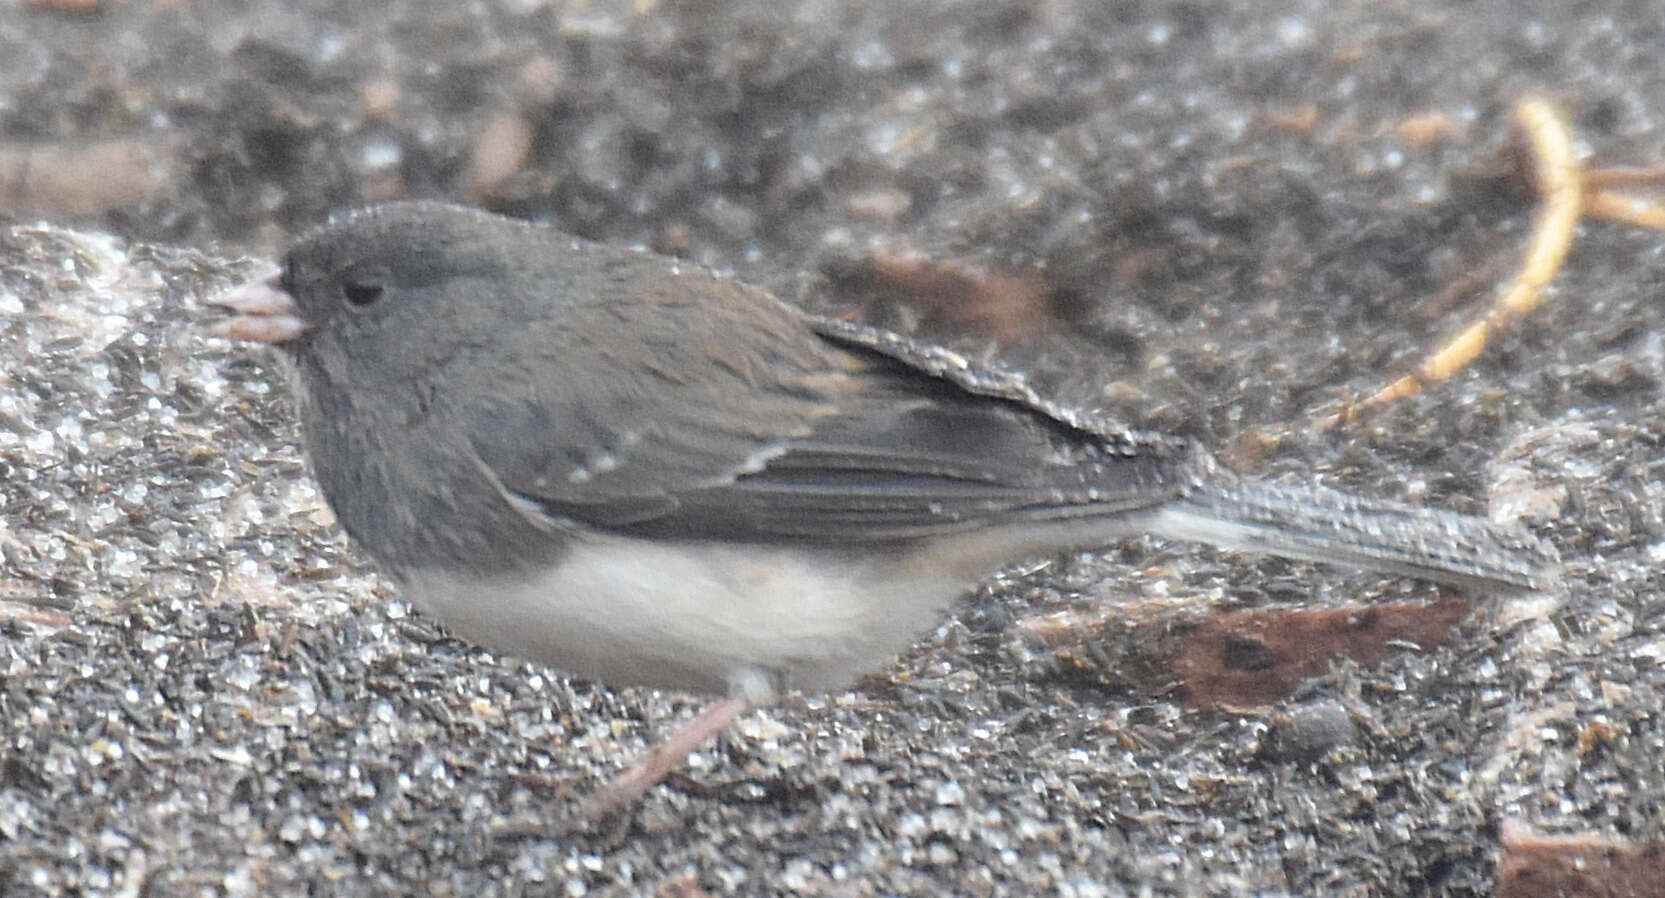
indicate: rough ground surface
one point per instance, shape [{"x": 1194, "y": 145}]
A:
[{"x": 1209, "y": 218}]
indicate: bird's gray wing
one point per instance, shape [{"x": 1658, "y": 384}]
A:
[
  {"x": 805, "y": 429},
  {"x": 925, "y": 459}
]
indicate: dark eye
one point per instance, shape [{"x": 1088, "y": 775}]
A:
[{"x": 361, "y": 293}]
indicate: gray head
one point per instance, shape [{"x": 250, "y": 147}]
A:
[
  {"x": 377, "y": 296},
  {"x": 394, "y": 317}
]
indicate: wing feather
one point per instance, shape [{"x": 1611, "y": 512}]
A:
[{"x": 755, "y": 421}]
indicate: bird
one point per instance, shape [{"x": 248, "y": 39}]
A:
[{"x": 643, "y": 473}]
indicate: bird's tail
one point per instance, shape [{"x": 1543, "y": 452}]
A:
[{"x": 1317, "y": 524}]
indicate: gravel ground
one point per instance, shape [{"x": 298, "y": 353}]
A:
[{"x": 1224, "y": 220}]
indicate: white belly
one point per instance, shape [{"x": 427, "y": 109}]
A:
[
  {"x": 697, "y": 616},
  {"x": 732, "y": 619}
]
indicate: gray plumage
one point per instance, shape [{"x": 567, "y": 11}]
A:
[{"x": 634, "y": 469}]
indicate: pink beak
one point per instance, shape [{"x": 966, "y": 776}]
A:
[{"x": 265, "y": 313}]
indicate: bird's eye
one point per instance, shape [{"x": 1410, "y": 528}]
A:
[{"x": 361, "y": 293}]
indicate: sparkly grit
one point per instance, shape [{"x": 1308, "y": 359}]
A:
[{"x": 1197, "y": 216}]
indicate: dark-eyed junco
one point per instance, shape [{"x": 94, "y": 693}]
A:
[{"x": 640, "y": 472}]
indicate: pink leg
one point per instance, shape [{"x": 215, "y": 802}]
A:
[{"x": 664, "y": 757}]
